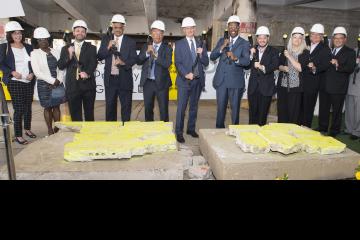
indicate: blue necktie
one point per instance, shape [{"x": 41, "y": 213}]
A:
[
  {"x": 231, "y": 44},
  {"x": 193, "y": 52},
  {"x": 152, "y": 74}
]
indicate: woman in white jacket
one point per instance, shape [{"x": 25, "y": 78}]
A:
[{"x": 49, "y": 77}]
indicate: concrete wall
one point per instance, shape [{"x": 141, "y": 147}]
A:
[{"x": 283, "y": 19}]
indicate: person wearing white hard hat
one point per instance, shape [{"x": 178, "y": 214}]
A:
[
  {"x": 334, "y": 88},
  {"x": 19, "y": 78},
  {"x": 293, "y": 69},
  {"x": 156, "y": 59},
  {"x": 50, "y": 78},
  {"x": 352, "y": 102},
  {"x": 320, "y": 56},
  {"x": 233, "y": 54},
  {"x": 119, "y": 53},
  {"x": 191, "y": 58},
  {"x": 265, "y": 61},
  {"x": 80, "y": 62}
]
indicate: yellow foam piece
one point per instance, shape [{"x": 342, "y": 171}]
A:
[
  {"x": 252, "y": 142},
  {"x": 281, "y": 142},
  {"x": 111, "y": 140}
]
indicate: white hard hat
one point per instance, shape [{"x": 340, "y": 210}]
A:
[
  {"x": 262, "y": 31},
  {"x": 234, "y": 18},
  {"x": 158, "y": 25},
  {"x": 80, "y": 23},
  {"x": 41, "y": 33},
  {"x": 13, "y": 26},
  {"x": 318, "y": 28},
  {"x": 299, "y": 30},
  {"x": 118, "y": 18},
  {"x": 340, "y": 30},
  {"x": 188, "y": 22}
]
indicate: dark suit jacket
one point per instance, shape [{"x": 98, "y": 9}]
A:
[
  {"x": 162, "y": 65},
  {"x": 304, "y": 60},
  {"x": 337, "y": 80},
  {"x": 231, "y": 74},
  {"x": 265, "y": 82},
  {"x": 321, "y": 57},
  {"x": 7, "y": 61},
  {"x": 89, "y": 63},
  {"x": 184, "y": 62},
  {"x": 127, "y": 54}
]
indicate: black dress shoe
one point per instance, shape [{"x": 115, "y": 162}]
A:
[
  {"x": 353, "y": 137},
  {"x": 193, "y": 134},
  {"x": 332, "y": 134},
  {"x": 180, "y": 138}
]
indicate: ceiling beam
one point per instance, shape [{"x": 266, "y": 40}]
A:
[{"x": 80, "y": 9}]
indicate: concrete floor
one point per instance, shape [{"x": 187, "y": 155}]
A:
[{"x": 206, "y": 120}]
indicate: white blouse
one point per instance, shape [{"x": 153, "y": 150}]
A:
[{"x": 22, "y": 60}]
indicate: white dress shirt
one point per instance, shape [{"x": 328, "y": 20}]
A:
[{"x": 22, "y": 60}]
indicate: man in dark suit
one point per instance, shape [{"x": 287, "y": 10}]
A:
[
  {"x": 229, "y": 80},
  {"x": 120, "y": 56},
  {"x": 79, "y": 61},
  {"x": 320, "y": 57},
  {"x": 156, "y": 58},
  {"x": 190, "y": 59},
  {"x": 265, "y": 60},
  {"x": 333, "y": 90}
]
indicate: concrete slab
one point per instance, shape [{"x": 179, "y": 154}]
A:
[
  {"x": 228, "y": 162},
  {"x": 43, "y": 160}
]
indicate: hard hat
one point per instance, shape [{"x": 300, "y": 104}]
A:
[
  {"x": 318, "y": 28},
  {"x": 340, "y": 30},
  {"x": 299, "y": 30},
  {"x": 41, "y": 33},
  {"x": 188, "y": 22},
  {"x": 158, "y": 25},
  {"x": 262, "y": 31},
  {"x": 80, "y": 23},
  {"x": 118, "y": 18},
  {"x": 13, "y": 26},
  {"x": 234, "y": 18}
]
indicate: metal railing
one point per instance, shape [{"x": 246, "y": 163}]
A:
[{"x": 6, "y": 122}]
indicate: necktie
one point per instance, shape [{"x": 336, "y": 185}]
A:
[
  {"x": 152, "y": 74},
  {"x": 231, "y": 44},
  {"x": 334, "y": 52},
  {"x": 77, "y": 53},
  {"x": 193, "y": 52}
]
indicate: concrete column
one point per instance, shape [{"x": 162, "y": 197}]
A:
[{"x": 246, "y": 10}]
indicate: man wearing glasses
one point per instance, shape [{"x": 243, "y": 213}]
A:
[{"x": 120, "y": 56}]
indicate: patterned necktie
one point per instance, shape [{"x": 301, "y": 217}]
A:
[
  {"x": 193, "y": 52},
  {"x": 334, "y": 52},
  {"x": 77, "y": 53},
  {"x": 152, "y": 74}
]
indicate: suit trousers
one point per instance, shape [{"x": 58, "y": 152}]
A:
[
  {"x": 225, "y": 95},
  {"x": 352, "y": 115},
  {"x": 328, "y": 102},
  {"x": 83, "y": 99},
  {"x": 289, "y": 106},
  {"x": 192, "y": 93},
  {"x": 162, "y": 96},
  {"x": 259, "y": 107},
  {"x": 112, "y": 93},
  {"x": 308, "y": 108}
]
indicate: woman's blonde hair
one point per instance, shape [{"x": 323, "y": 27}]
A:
[{"x": 300, "y": 49}]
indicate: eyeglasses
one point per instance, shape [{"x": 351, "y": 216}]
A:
[{"x": 42, "y": 39}]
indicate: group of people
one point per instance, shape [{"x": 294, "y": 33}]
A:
[{"x": 305, "y": 73}]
